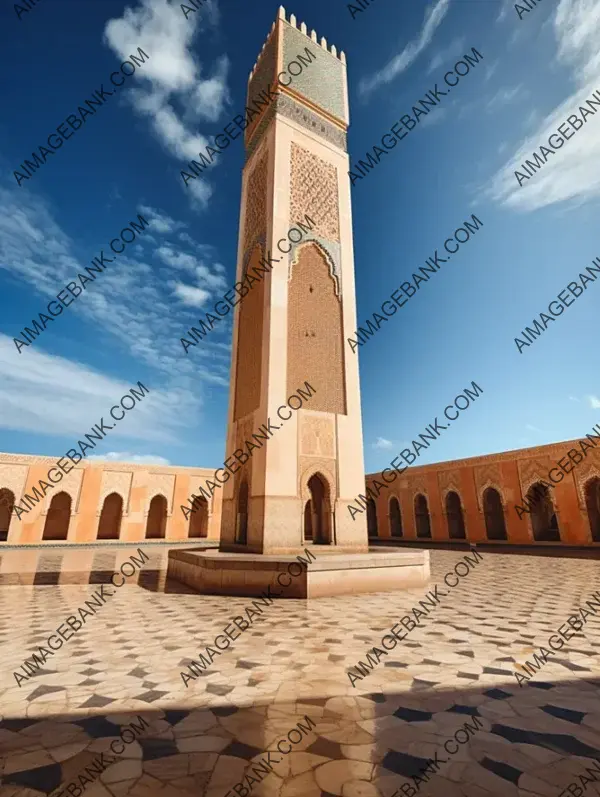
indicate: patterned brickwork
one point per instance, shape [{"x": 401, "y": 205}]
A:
[
  {"x": 255, "y": 223},
  {"x": 315, "y": 346},
  {"x": 115, "y": 482},
  {"x": 486, "y": 476},
  {"x": 448, "y": 481},
  {"x": 314, "y": 193},
  {"x": 532, "y": 471},
  {"x": 321, "y": 82},
  {"x": 249, "y": 351},
  {"x": 13, "y": 478}
]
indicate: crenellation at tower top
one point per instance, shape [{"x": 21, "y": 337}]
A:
[
  {"x": 312, "y": 36},
  {"x": 300, "y": 76}
]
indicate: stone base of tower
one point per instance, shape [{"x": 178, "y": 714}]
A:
[{"x": 331, "y": 572}]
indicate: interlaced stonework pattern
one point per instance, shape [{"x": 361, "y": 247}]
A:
[
  {"x": 255, "y": 224},
  {"x": 249, "y": 352},
  {"x": 315, "y": 346},
  {"x": 314, "y": 192}
]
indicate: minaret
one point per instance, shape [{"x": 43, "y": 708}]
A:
[{"x": 291, "y": 326}]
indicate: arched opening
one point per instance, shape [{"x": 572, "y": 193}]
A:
[
  {"x": 199, "y": 518},
  {"x": 156, "y": 525},
  {"x": 308, "y": 530},
  {"x": 241, "y": 531},
  {"x": 317, "y": 511},
  {"x": 592, "y": 502},
  {"x": 543, "y": 518},
  {"x": 395, "y": 517},
  {"x": 7, "y": 502},
  {"x": 109, "y": 525},
  {"x": 371, "y": 518},
  {"x": 455, "y": 517},
  {"x": 493, "y": 511},
  {"x": 422, "y": 520},
  {"x": 58, "y": 518}
]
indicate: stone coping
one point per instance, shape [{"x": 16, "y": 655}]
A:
[
  {"x": 10, "y": 458},
  {"x": 383, "y": 557},
  {"x": 66, "y": 545},
  {"x": 545, "y": 452},
  {"x": 401, "y": 542}
]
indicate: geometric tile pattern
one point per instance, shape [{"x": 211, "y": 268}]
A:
[{"x": 454, "y": 668}]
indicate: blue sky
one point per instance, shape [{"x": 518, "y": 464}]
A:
[{"x": 127, "y": 159}]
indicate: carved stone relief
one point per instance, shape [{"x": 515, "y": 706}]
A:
[{"x": 317, "y": 436}]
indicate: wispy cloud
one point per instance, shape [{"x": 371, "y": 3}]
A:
[
  {"x": 594, "y": 402},
  {"x": 382, "y": 443},
  {"x": 453, "y": 50},
  {"x": 535, "y": 429},
  {"x": 573, "y": 173},
  {"x": 193, "y": 297},
  {"x": 490, "y": 70},
  {"x": 160, "y": 222},
  {"x": 51, "y": 395},
  {"x": 399, "y": 63},
  {"x": 126, "y": 303},
  {"x": 506, "y": 7},
  {"x": 125, "y": 456},
  {"x": 505, "y": 96},
  {"x": 434, "y": 117},
  {"x": 174, "y": 90}
]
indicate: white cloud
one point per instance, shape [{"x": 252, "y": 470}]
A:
[
  {"x": 490, "y": 70},
  {"x": 177, "y": 258},
  {"x": 381, "y": 442},
  {"x": 532, "y": 118},
  {"x": 199, "y": 190},
  {"x": 125, "y": 456},
  {"x": 594, "y": 402},
  {"x": 573, "y": 398},
  {"x": 172, "y": 77},
  {"x": 533, "y": 428},
  {"x": 186, "y": 238},
  {"x": 434, "y": 116},
  {"x": 210, "y": 280},
  {"x": 193, "y": 297},
  {"x": 505, "y": 96},
  {"x": 399, "y": 63},
  {"x": 453, "y": 50},
  {"x": 573, "y": 173},
  {"x": 51, "y": 395},
  {"x": 507, "y": 5},
  {"x": 127, "y": 302},
  {"x": 158, "y": 221},
  {"x": 209, "y": 96}
]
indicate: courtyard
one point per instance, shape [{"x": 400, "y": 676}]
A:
[{"x": 289, "y": 671}]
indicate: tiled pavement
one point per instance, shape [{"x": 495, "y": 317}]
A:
[{"x": 367, "y": 741}]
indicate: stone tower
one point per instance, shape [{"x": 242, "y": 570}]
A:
[{"x": 291, "y": 327}]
